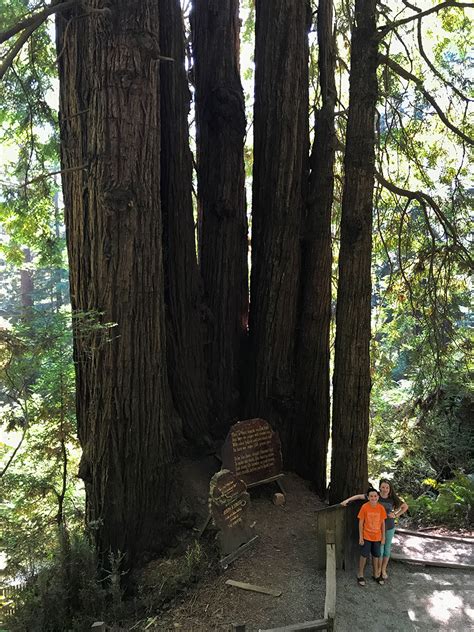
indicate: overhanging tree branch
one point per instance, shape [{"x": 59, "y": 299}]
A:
[
  {"x": 383, "y": 30},
  {"x": 29, "y": 25},
  {"x": 425, "y": 199},
  {"x": 419, "y": 84},
  {"x": 35, "y": 19}
]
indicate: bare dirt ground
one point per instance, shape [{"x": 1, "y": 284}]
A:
[{"x": 284, "y": 558}]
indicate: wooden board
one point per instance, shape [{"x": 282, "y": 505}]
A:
[
  {"x": 254, "y": 588},
  {"x": 417, "y": 560},
  {"x": 307, "y": 626},
  {"x": 436, "y": 536}
]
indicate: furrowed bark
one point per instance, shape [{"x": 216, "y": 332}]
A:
[
  {"x": 183, "y": 284},
  {"x": 110, "y": 120},
  {"x": 220, "y": 126},
  {"x": 351, "y": 393},
  {"x": 279, "y": 177}
]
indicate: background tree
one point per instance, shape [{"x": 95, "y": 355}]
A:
[
  {"x": 186, "y": 334},
  {"x": 222, "y": 233},
  {"x": 312, "y": 422},
  {"x": 351, "y": 393},
  {"x": 279, "y": 184}
]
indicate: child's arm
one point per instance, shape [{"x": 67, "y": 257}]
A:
[
  {"x": 383, "y": 532},
  {"x": 356, "y": 497},
  {"x": 401, "y": 510},
  {"x": 361, "y": 531}
]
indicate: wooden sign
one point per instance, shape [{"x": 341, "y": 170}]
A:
[
  {"x": 229, "y": 505},
  {"x": 252, "y": 451}
]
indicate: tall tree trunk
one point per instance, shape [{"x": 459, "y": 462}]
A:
[
  {"x": 220, "y": 118},
  {"x": 351, "y": 395},
  {"x": 311, "y": 426},
  {"x": 183, "y": 285},
  {"x": 279, "y": 173},
  {"x": 110, "y": 142}
]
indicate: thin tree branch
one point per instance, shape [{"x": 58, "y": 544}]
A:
[
  {"x": 26, "y": 32},
  {"x": 423, "y": 199},
  {"x": 14, "y": 453},
  {"x": 43, "y": 176},
  {"x": 35, "y": 19},
  {"x": 419, "y": 84},
  {"x": 434, "y": 70},
  {"x": 383, "y": 30},
  {"x": 15, "y": 49}
]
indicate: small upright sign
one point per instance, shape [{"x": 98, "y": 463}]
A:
[
  {"x": 253, "y": 452},
  {"x": 229, "y": 505}
]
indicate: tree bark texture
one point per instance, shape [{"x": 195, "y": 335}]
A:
[
  {"x": 223, "y": 248},
  {"x": 311, "y": 426},
  {"x": 183, "y": 285},
  {"x": 279, "y": 174},
  {"x": 351, "y": 394},
  {"x": 110, "y": 139}
]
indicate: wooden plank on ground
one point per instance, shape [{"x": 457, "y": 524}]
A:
[
  {"x": 307, "y": 626},
  {"x": 417, "y": 560},
  {"x": 254, "y": 588},
  {"x": 435, "y": 536}
]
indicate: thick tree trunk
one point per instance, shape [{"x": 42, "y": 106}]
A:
[
  {"x": 110, "y": 141},
  {"x": 280, "y": 170},
  {"x": 311, "y": 426},
  {"x": 220, "y": 118},
  {"x": 183, "y": 287},
  {"x": 350, "y": 425}
]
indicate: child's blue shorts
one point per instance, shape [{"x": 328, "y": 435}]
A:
[{"x": 369, "y": 548}]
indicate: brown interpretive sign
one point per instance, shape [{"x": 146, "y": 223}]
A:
[
  {"x": 252, "y": 451},
  {"x": 229, "y": 505}
]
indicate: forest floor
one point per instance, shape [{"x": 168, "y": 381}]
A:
[{"x": 284, "y": 559}]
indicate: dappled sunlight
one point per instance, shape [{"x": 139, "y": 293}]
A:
[
  {"x": 416, "y": 547},
  {"x": 442, "y": 605}
]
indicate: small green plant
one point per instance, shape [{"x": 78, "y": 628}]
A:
[{"x": 163, "y": 579}]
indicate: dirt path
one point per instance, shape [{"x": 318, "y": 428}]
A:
[{"x": 284, "y": 558}]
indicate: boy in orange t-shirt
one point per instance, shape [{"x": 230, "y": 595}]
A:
[{"x": 372, "y": 517}]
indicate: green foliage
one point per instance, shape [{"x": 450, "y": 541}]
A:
[
  {"x": 453, "y": 505},
  {"x": 431, "y": 437},
  {"x": 65, "y": 594},
  {"x": 41, "y": 491},
  {"x": 29, "y": 137}
]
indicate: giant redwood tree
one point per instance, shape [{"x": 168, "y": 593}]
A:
[
  {"x": 110, "y": 153},
  {"x": 279, "y": 179},
  {"x": 220, "y": 127},
  {"x": 312, "y": 421},
  {"x": 351, "y": 392},
  {"x": 185, "y": 330}
]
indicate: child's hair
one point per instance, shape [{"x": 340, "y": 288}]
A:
[
  {"x": 397, "y": 501},
  {"x": 372, "y": 489}
]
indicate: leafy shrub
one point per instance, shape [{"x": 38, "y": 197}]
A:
[
  {"x": 453, "y": 505},
  {"x": 65, "y": 595}
]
